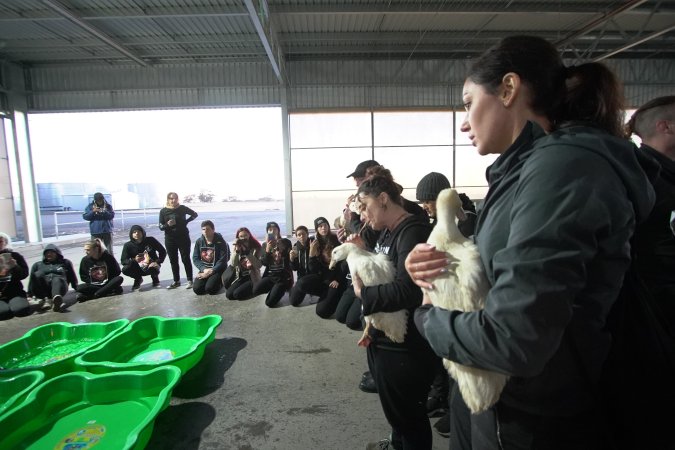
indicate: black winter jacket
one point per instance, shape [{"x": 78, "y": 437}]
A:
[
  {"x": 553, "y": 236},
  {"x": 12, "y": 286},
  {"x": 106, "y": 261},
  {"x": 61, "y": 267},
  {"x": 149, "y": 244}
]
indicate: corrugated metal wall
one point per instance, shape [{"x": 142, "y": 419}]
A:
[{"x": 311, "y": 85}]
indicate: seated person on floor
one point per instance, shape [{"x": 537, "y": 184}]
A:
[
  {"x": 322, "y": 281},
  {"x": 50, "y": 277},
  {"x": 13, "y": 269},
  {"x": 244, "y": 265},
  {"x": 99, "y": 272},
  {"x": 278, "y": 275},
  {"x": 210, "y": 255},
  {"x": 142, "y": 255}
]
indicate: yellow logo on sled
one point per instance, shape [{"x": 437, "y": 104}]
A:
[{"x": 82, "y": 439}]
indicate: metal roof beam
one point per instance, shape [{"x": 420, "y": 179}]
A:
[
  {"x": 261, "y": 22},
  {"x": 63, "y": 11},
  {"x": 599, "y": 21},
  {"x": 123, "y": 13},
  {"x": 632, "y": 44},
  {"x": 442, "y": 7}
]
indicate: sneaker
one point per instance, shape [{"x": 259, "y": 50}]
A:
[
  {"x": 173, "y": 285},
  {"x": 37, "y": 302},
  {"x": 367, "y": 383},
  {"x": 155, "y": 280},
  {"x": 137, "y": 284},
  {"x": 57, "y": 303},
  {"x": 436, "y": 406},
  {"x": 442, "y": 426},
  {"x": 189, "y": 285},
  {"x": 384, "y": 444},
  {"x": 81, "y": 297}
]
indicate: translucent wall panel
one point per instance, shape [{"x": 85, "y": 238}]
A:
[
  {"x": 330, "y": 130},
  {"x": 412, "y": 128},
  {"x": 471, "y": 166},
  {"x": 409, "y": 164},
  {"x": 460, "y": 137},
  {"x": 307, "y": 206},
  {"x": 325, "y": 168}
]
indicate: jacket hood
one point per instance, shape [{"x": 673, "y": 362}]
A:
[
  {"x": 634, "y": 169},
  {"x": 53, "y": 248},
  {"x": 136, "y": 228},
  {"x": 272, "y": 224}
]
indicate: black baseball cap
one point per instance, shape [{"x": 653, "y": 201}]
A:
[{"x": 360, "y": 170}]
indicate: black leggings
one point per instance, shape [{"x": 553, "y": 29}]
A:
[
  {"x": 348, "y": 310},
  {"x": 313, "y": 284},
  {"x": 240, "y": 289},
  {"x": 275, "y": 290},
  {"x": 173, "y": 246},
  {"x": 134, "y": 271},
  {"x": 113, "y": 286},
  {"x": 16, "y": 306},
  {"x": 210, "y": 285},
  {"x": 43, "y": 287},
  {"x": 402, "y": 376}
]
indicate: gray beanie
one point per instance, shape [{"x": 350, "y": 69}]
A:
[{"x": 430, "y": 186}]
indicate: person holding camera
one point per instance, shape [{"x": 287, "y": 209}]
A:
[
  {"x": 142, "y": 256},
  {"x": 100, "y": 214},
  {"x": 245, "y": 263},
  {"x": 211, "y": 255},
  {"x": 13, "y": 269},
  {"x": 173, "y": 220},
  {"x": 326, "y": 283},
  {"x": 278, "y": 275},
  {"x": 299, "y": 254}
]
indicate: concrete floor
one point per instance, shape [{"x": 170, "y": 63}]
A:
[{"x": 273, "y": 378}]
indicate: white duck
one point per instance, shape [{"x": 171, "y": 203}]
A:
[
  {"x": 464, "y": 288},
  {"x": 373, "y": 269}
]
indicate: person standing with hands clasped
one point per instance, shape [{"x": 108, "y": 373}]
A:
[
  {"x": 564, "y": 198},
  {"x": 100, "y": 215},
  {"x": 173, "y": 220}
]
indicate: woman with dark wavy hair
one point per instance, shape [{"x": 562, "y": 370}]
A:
[
  {"x": 564, "y": 198},
  {"x": 244, "y": 267}
]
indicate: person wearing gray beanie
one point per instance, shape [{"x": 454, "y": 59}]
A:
[{"x": 428, "y": 189}]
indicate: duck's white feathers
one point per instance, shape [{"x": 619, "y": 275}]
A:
[
  {"x": 374, "y": 269},
  {"x": 464, "y": 287}
]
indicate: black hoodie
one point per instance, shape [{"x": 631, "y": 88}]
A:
[
  {"x": 149, "y": 244},
  {"x": 60, "y": 267},
  {"x": 11, "y": 286}
]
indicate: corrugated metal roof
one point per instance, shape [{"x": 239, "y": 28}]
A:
[
  {"x": 186, "y": 28},
  {"x": 324, "y": 48}
]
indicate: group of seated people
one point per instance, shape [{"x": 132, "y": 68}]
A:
[{"x": 239, "y": 270}]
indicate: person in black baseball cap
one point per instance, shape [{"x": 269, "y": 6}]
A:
[
  {"x": 351, "y": 218},
  {"x": 360, "y": 172}
]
